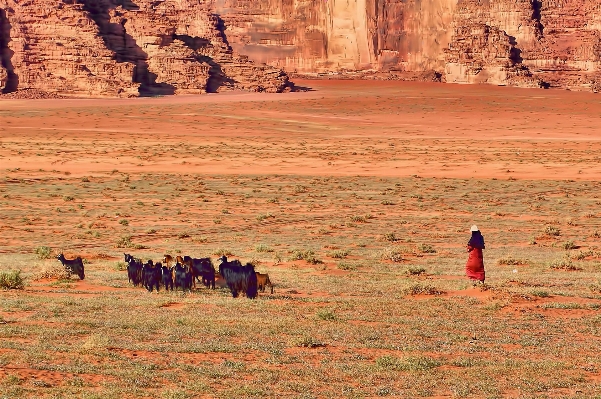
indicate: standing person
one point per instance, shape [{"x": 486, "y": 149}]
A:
[{"x": 474, "y": 268}]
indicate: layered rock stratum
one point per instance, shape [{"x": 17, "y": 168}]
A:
[
  {"x": 531, "y": 43},
  {"x": 123, "y": 48},
  {"x": 158, "y": 47}
]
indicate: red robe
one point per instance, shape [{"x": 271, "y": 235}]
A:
[{"x": 474, "y": 268}]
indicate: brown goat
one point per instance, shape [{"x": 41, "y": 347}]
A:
[{"x": 263, "y": 281}]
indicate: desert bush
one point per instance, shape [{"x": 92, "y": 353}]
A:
[
  {"x": 540, "y": 293},
  {"x": 307, "y": 255},
  {"x": 263, "y": 248},
  {"x": 124, "y": 242},
  {"x": 120, "y": 266},
  {"x": 511, "y": 261},
  {"x": 568, "y": 245},
  {"x": 298, "y": 189},
  {"x": 422, "y": 289},
  {"x": 11, "y": 280},
  {"x": 420, "y": 363},
  {"x": 53, "y": 271},
  {"x": 340, "y": 254},
  {"x": 308, "y": 342},
  {"x": 223, "y": 252},
  {"x": 415, "y": 270},
  {"x": 358, "y": 219},
  {"x": 552, "y": 231},
  {"x": 393, "y": 254},
  {"x": 564, "y": 264},
  {"x": 390, "y": 237},
  {"x": 426, "y": 249},
  {"x": 43, "y": 252},
  {"x": 348, "y": 266},
  {"x": 124, "y": 222},
  {"x": 581, "y": 255},
  {"x": 262, "y": 217},
  {"x": 326, "y": 314}
]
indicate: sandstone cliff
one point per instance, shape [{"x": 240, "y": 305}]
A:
[
  {"x": 546, "y": 43},
  {"x": 123, "y": 48},
  {"x": 148, "y": 47}
]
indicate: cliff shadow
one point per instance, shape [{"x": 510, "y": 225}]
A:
[
  {"x": 515, "y": 52},
  {"x": 537, "y": 5},
  {"x": 6, "y": 54},
  {"x": 125, "y": 47},
  {"x": 217, "y": 77}
]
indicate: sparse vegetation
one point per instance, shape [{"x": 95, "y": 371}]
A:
[
  {"x": 552, "y": 231},
  {"x": 43, "y": 252},
  {"x": 11, "y": 280},
  {"x": 422, "y": 289},
  {"x": 511, "y": 261}
]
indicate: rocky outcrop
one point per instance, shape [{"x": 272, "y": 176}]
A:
[
  {"x": 123, "y": 48},
  {"x": 547, "y": 43},
  {"x": 158, "y": 47}
]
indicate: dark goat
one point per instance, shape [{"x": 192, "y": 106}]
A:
[
  {"x": 152, "y": 275},
  {"x": 239, "y": 278},
  {"x": 72, "y": 266},
  {"x": 134, "y": 269},
  {"x": 167, "y": 278},
  {"x": 183, "y": 277},
  {"x": 202, "y": 267},
  {"x": 263, "y": 281}
]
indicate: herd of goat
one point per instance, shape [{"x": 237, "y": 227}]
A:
[{"x": 184, "y": 272}]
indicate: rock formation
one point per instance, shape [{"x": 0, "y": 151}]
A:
[
  {"x": 150, "y": 47},
  {"x": 123, "y": 48},
  {"x": 546, "y": 43}
]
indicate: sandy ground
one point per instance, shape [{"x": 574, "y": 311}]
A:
[{"x": 339, "y": 128}]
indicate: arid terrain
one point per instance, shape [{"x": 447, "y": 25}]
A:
[{"x": 355, "y": 196}]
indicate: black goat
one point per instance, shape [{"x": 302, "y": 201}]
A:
[
  {"x": 167, "y": 278},
  {"x": 183, "y": 277},
  {"x": 202, "y": 267},
  {"x": 239, "y": 278},
  {"x": 134, "y": 269},
  {"x": 72, "y": 266},
  {"x": 152, "y": 275}
]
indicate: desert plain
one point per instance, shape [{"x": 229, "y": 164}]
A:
[{"x": 355, "y": 196}]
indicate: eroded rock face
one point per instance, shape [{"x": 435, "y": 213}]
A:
[
  {"x": 150, "y": 47},
  {"x": 123, "y": 48},
  {"x": 548, "y": 43}
]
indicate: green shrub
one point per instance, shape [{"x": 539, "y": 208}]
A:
[
  {"x": 124, "y": 222},
  {"x": 43, "y": 252},
  {"x": 326, "y": 314},
  {"x": 11, "y": 280}
]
